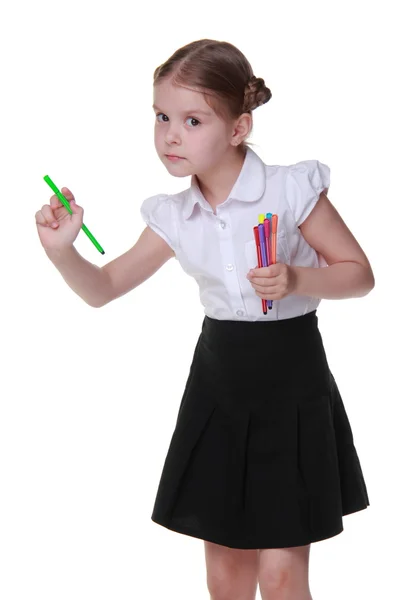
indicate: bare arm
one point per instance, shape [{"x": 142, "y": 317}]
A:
[
  {"x": 98, "y": 286},
  {"x": 137, "y": 264},
  {"x": 349, "y": 274}
]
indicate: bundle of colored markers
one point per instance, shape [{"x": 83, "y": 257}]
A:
[{"x": 265, "y": 238}]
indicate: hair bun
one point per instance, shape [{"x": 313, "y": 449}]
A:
[{"x": 256, "y": 93}]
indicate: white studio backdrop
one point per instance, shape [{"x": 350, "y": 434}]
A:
[{"x": 89, "y": 397}]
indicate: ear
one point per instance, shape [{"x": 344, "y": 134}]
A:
[{"x": 241, "y": 128}]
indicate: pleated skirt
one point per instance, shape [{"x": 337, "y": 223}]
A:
[{"x": 262, "y": 454}]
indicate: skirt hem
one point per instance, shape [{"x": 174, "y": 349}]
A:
[
  {"x": 245, "y": 545},
  {"x": 355, "y": 508}
]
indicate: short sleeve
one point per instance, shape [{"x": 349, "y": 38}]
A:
[
  {"x": 158, "y": 213},
  {"x": 305, "y": 181}
]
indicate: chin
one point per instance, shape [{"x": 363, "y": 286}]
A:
[
  {"x": 175, "y": 170},
  {"x": 178, "y": 174}
]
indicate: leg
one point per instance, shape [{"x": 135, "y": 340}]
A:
[
  {"x": 232, "y": 574},
  {"x": 283, "y": 573}
]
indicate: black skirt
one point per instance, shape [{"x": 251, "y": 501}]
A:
[{"x": 262, "y": 455}]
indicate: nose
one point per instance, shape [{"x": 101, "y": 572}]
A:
[{"x": 172, "y": 136}]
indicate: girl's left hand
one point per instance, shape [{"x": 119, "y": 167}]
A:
[{"x": 273, "y": 282}]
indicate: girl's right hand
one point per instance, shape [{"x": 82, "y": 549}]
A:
[{"x": 58, "y": 229}]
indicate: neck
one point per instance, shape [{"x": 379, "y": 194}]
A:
[{"x": 215, "y": 185}]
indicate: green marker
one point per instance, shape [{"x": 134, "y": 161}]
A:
[{"x": 67, "y": 206}]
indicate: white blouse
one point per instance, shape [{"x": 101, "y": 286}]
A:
[{"x": 218, "y": 250}]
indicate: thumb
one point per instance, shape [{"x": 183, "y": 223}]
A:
[{"x": 74, "y": 206}]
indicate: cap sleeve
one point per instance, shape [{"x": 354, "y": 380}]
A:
[
  {"x": 305, "y": 181},
  {"x": 157, "y": 212}
]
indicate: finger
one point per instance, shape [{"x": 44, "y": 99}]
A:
[
  {"x": 40, "y": 220},
  {"x": 261, "y": 274},
  {"x": 55, "y": 201},
  {"x": 266, "y": 289},
  {"x": 48, "y": 214},
  {"x": 263, "y": 283},
  {"x": 68, "y": 194},
  {"x": 270, "y": 295}
]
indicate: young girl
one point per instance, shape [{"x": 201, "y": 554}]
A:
[{"x": 262, "y": 461}]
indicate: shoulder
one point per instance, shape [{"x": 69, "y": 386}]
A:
[
  {"x": 304, "y": 182},
  {"x": 301, "y": 172},
  {"x": 161, "y": 212},
  {"x": 308, "y": 171},
  {"x": 152, "y": 204},
  {"x": 160, "y": 203}
]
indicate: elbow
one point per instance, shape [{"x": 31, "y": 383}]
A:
[
  {"x": 369, "y": 282},
  {"x": 96, "y": 304},
  {"x": 371, "y": 279},
  {"x": 100, "y": 302}
]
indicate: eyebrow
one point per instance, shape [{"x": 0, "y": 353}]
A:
[{"x": 189, "y": 112}]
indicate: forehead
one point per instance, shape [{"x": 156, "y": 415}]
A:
[{"x": 167, "y": 96}]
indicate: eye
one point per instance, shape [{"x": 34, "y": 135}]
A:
[
  {"x": 193, "y": 119},
  {"x": 160, "y": 115},
  {"x": 166, "y": 118}
]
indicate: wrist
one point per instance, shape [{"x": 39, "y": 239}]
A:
[
  {"x": 58, "y": 253},
  {"x": 297, "y": 280}
]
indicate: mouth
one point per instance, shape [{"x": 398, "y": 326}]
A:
[{"x": 174, "y": 156}]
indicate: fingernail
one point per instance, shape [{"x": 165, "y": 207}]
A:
[{"x": 54, "y": 224}]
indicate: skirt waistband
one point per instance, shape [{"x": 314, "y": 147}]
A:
[{"x": 253, "y": 330}]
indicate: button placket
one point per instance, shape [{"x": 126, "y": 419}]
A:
[{"x": 228, "y": 258}]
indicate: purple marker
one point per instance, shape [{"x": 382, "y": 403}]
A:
[
  {"x": 267, "y": 229},
  {"x": 262, "y": 244}
]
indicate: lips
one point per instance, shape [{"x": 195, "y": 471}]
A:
[{"x": 173, "y": 156}]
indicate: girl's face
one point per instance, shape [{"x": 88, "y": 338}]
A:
[{"x": 187, "y": 127}]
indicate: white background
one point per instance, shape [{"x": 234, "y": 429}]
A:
[{"x": 89, "y": 397}]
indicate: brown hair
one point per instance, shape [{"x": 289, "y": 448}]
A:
[{"x": 222, "y": 73}]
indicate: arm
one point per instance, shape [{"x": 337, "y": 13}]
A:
[
  {"x": 137, "y": 264},
  {"x": 98, "y": 286},
  {"x": 349, "y": 273}
]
